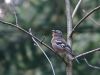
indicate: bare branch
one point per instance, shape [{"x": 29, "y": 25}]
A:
[
  {"x": 69, "y": 21},
  {"x": 88, "y": 14},
  {"x": 43, "y": 52},
  {"x": 76, "y": 8},
  {"x": 95, "y": 67},
  {"x": 86, "y": 53}
]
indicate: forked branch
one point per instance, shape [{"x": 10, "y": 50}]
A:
[{"x": 86, "y": 53}]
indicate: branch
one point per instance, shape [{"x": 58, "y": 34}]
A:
[
  {"x": 95, "y": 67},
  {"x": 86, "y": 53},
  {"x": 13, "y": 10},
  {"x": 69, "y": 21},
  {"x": 88, "y": 14},
  {"x": 69, "y": 40},
  {"x": 15, "y": 14},
  {"x": 43, "y": 52},
  {"x": 76, "y": 8}
]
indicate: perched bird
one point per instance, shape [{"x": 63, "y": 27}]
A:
[{"x": 59, "y": 44}]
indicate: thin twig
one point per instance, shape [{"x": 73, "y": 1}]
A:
[
  {"x": 86, "y": 53},
  {"x": 12, "y": 8},
  {"x": 76, "y": 8},
  {"x": 88, "y": 14},
  {"x": 95, "y": 67},
  {"x": 43, "y": 52},
  {"x": 15, "y": 14}
]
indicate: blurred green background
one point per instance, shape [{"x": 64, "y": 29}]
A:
[{"x": 19, "y": 55}]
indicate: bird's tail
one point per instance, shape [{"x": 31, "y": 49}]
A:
[{"x": 69, "y": 50}]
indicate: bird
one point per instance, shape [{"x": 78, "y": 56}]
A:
[{"x": 59, "y": 44}]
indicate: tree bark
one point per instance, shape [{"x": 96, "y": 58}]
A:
[{"x": 69, "y": 41}]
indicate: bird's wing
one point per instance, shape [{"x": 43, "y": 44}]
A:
[
  {"x": 60, "y": 43},
  {"x": 64, "y": 45}
]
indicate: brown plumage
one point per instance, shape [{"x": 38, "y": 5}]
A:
[{"x": 59, "y": 44}]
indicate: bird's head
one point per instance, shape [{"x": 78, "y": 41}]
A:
[{"x": 56, "y": 33}]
